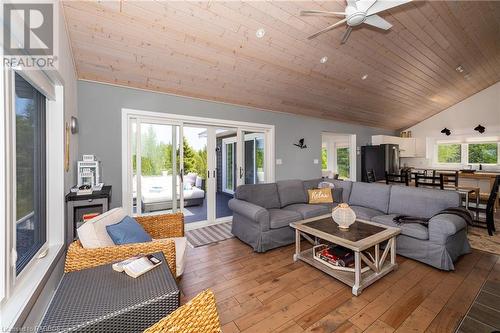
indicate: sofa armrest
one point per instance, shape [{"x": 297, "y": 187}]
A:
[
  {"x": 251, "y": 211},
  {"x": 444, "y": 225}
]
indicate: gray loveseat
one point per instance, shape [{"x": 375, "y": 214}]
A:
[{"x": 262, "y": 213}]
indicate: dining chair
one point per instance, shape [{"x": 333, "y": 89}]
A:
[
  {"x": 489, "y": 223},
  {"x": 370, "y": 176},
  {"x": 449, "y": 179},
  {"x": 401, "y": 178},
  {"x": 429, "y": 181}
]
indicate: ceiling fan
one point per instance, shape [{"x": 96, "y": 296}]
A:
[{"x": 356, "y": 13}]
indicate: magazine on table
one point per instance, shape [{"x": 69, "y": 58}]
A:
[{"x": 136, "y": 266}]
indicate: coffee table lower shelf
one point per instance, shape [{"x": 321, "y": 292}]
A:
[{"x": 366, "y": 278}]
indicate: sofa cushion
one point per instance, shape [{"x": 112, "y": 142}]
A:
[
  {"x": 312, "y": 183},
  {"x": 263, "y": 195},
  {"x": 279, "y": 218},
  {"x": 308, "y": 210},
  {"x": 337, "y": 191},
  {"x": 421, "y": 202},
  {"x": 365, "y": 213},
  {"x": 414, "y": 230},
  {"x": 128, "y": 231},
  {"x": 180, "y": 254},
  {"x": 93, "y": 233},
  {"x": 370, "y": 195},
  {"x": 345, "y": 185},
  {"x": 291, "y": 192}
]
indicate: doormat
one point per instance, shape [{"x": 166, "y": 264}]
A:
[{"x": 208, "y": 235}]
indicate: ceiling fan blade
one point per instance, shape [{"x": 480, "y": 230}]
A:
[
  {"x": 351, "y": 3},
  {"x": 320, "y": 13},
  {"x": 364, "y": 5},
  {"x": 347, "y": 33},
  {"x": 333, "y": 26},
  {"x": 382, "y": 5},
  {"x": 378, "y": 22}
]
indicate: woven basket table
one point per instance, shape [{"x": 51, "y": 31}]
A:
[{"x": 102, "y": 300}]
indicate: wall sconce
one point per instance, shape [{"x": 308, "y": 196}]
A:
[
  {"x": 446, "y": 131},
  {"x": 480, "y": 128},
  {"x": 74, "y": 125}
]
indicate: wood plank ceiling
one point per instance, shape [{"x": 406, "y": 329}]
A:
[{"x": 210, "y": 50}]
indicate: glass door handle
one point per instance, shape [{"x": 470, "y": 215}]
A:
[
  {"x": 241, "y": 172},
  {"x": 214, "y": 173},
  {"x": 182, "y": 175},
  {"x": 208, "y": 173}
]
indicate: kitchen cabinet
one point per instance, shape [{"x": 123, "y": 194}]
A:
[{"x": 409, "y": 147}]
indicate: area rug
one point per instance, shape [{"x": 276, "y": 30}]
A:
[
  {"x": 480, "y": 240},
  {"x": 211, "y": 234}
]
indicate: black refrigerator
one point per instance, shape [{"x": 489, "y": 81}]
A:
[{"x": 380, "y": 158}]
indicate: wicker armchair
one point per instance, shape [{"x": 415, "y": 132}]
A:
[
  {"x": 198, "y": 315},
  {"x": 158, "y": 226}
]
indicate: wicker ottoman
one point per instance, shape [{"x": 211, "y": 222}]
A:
[{"x": 102, "y": 300}]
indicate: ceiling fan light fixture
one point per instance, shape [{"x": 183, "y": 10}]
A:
[
  {"x": 460, "y": 69},
  {"x": 364, "y": 77},
  {"x": 323, "y": 59},
  {"x": 260, "y": 32}
]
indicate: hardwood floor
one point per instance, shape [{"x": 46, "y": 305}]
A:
[{"x": 270, "y": 293}]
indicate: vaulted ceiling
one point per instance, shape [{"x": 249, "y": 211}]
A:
[{"x": 210, "y": 50}]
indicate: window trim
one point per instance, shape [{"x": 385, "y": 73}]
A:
[
  {"x": 483, "y": 142},
  {"x": 13, "y": 134},
  {"x": 464, "y": 149},
  {"x": 19, "y": 292}
]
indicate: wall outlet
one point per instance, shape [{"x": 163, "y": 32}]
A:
[
  {"x": 279, "y": 161},
  {"x": 316, "y": 161}
]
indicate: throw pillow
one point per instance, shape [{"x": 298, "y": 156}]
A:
[
  {"x": 92, "y": 234},
  {"x": 128, "y": 231},
  {"x": 322, "y": 195}
]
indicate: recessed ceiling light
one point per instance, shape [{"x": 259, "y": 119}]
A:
[
  {"x": 364, "y": 77},
  {"x": 260, "y": 32},
  {"x": 323, "y": 59}
]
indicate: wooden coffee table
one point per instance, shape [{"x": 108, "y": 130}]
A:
[{"x": 363, "y": 237}]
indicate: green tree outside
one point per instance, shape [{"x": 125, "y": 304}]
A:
[
  {"x": 343, "y": 162},
  {"x": 324, "y": 159},
  {"x": 157, "y": 157},
  {"x": 485, "y": 153},
  {"x": 449, "y": 153}
]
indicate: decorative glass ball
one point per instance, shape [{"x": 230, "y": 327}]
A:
[{"x": 343, "y": 215}]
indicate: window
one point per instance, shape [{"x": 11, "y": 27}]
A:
[
  {"x": 485, "y": 153},
  {"x": 449, "y": 153},
  {"x": 343, "y": 162},
  {"x": 30, "y": 210}
]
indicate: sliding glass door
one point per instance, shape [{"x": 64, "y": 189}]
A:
[
  {"x": 156, "y": 161},
  {"x": 252, "y": 164},
  {"x": 190, "y": 167}
]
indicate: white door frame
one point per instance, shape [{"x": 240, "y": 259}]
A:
[
  {"x": 332, "y": 151},
  {"x": 180, "y": 120}
]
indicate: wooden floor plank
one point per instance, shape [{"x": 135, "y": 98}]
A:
[{"x": 268, "y": 292}]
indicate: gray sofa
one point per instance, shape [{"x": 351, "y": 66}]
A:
[{"x": 262, "y": 213}]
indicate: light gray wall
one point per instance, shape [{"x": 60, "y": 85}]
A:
[{"x": 99, "y": 110}]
